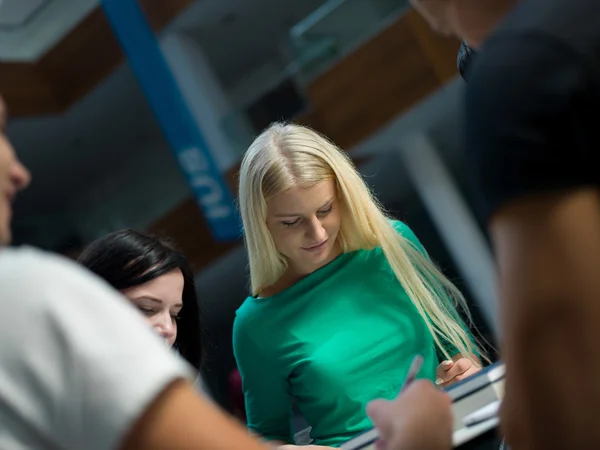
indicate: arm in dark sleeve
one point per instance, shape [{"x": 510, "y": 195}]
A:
[
  {"x": 531, "y": 132},
  {"x": 527, "y": 110}
]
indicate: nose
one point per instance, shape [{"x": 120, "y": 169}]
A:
[
  {"x": 315, "y": 231},
  {"x": 165, "y": 326},
  {"x": 19, "y": 175}
]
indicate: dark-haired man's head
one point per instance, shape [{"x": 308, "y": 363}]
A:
[
  {"x": 13, "y": 178},
  {"x": 471, "y": 20},
  {"x": 157, "y": 280}
]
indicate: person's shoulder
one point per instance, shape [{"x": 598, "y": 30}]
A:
[
  {"x": 15, "y": 258},
  {"x": 521, "y": 100},
  {"x": 520, "y": 82},
  {"x": 573, "y": 23},
  {"x": 38, "y": 266},
  {"x": 407, "y": 233},
  {"x": 401, "y": 227},
  {"x": 246, "y": 313},
  {"x": 35, "y": 277},
  {"x": 254, "y": 310},
  {"x": 376, "y": 255},
  {"x": 513, "y": 68},
  {"x": 403, "y": 230},
  {"x": 259, "y": 319},
  {"x": 54, "y": 310},
  {"x": 30, "y": 269},
  {"x": 248, "y": 324}
]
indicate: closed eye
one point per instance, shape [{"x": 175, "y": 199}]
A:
[
  {"x": 147, "y": 311},
  {"x": 326, "y": 211},
  {"x": 290, "y": 224}
]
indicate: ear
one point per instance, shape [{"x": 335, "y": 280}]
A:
[{"x": 464, "y": 59}]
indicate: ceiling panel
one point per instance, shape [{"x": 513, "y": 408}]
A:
[
  {"x": 238, "y": 36},
  {"x": 16, "y": 13},
  {"x": 31, "y": 27}
]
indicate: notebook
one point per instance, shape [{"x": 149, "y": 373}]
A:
[{"x": 475, "y": 404}]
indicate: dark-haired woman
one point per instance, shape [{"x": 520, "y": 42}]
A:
[{"x": 158, "y": 280}]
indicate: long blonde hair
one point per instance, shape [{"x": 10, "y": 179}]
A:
[{"x": 287, "y": 155}]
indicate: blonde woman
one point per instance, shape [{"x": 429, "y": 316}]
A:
[{"x": 342, "y": 296}]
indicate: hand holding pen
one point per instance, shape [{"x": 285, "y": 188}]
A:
[{"x": 420, "y": 418}]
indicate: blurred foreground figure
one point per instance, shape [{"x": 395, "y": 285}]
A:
[
  {"x": 532, "y": 142},
  {"x": 79, "y": 367}
]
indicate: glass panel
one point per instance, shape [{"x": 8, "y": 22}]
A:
[
  {"x": 334, "y": 29},
  {"x": 284, "y": 101},
  {"x": 331, "y": 31},
  {"x": 239, "y": 131}
]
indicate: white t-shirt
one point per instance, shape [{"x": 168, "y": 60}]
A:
[{"x": 78, "y": 365}]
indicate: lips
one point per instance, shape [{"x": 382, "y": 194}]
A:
[
  {"x": 10, "y": 195},
  {"x": 316, "y": 247}
]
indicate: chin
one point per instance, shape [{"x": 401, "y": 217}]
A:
[
  {"x": 443, "y": 28},
  {"x": 317, "y": 261},
  {"x": 5, "y": 238},
  {"x": 321, "y": 258}
]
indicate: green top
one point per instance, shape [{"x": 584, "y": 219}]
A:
[{"x": 337, "y": 339}]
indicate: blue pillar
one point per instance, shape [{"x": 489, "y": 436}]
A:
[{"x": 184, "y": 136}]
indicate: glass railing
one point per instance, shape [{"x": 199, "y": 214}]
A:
[
  {"x": 335, "y": 29},
  {"x": 238, "y": 131}
]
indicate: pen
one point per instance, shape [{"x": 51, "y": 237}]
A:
[{"x": 413, "y": 370}]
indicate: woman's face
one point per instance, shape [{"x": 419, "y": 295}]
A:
[
  {"x": 304, "y": 223},
  {"x": 160, "y": 300}
]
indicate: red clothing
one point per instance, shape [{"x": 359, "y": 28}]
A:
[{"x": 236, "y": 394}]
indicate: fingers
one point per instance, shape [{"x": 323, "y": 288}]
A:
[
  {"x": 420, "y": 417},
  {"x": 443, "y": 368},
  {"x": 472, "y": 371},
  {"x": 382, "y": 411},
  {"x": 379, "y": 412},
  {"x": 382, "y": 416},
  {"x": 448, "y": 372},
  {"x": 459, "y": 367}
]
